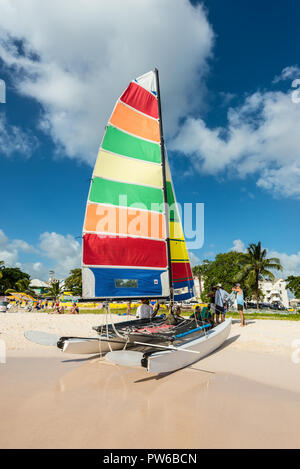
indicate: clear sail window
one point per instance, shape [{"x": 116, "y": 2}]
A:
[{"x": 126, "y": 283}]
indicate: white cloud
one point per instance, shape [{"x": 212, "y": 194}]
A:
[
  {"x": 62, "y": 254},
  {"x": 261, "y": 137},
  {"x": 14, "y": 140},
  {"x": 78, "y": 56},
  {"x": 238, "y": 246},
  {"x": 9, "y": 250},
  {"x": 195, "y": 260},
  {"x": 288, "y": 73},
  {"x": 290, "y": 263},
  {"x": 23, "y": 246}
]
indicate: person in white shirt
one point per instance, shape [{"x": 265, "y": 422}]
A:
[
  {"x": 220, "y": 300},
  {"x": 144, "y": 311}
]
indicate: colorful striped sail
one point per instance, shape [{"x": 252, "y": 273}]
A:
[
  {"x": 125, "y": 234},
  {"x": 182, "y": 276}
]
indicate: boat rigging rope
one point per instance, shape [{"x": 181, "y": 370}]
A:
[
  {"x": 106, "y": 317},
  {"x": 113, "y": 324},
  {"x": 100, "y": 348}
]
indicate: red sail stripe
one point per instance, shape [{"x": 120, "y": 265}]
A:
[
  {"x": 181, "y": 270},
  {"x": 140, "y": 99},
  {"x": 135, "y": 252}
]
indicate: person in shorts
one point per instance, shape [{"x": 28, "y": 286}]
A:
[
  {"x": 240, "y": 302},
  {"x": 220, "y": 300}
]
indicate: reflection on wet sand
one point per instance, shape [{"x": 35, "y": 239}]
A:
[{"x": 95, "y": 404}]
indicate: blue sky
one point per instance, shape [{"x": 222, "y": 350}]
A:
[{"x": 231, "y": 125}]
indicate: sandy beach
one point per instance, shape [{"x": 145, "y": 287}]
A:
[{"x": 245, "y": 395}]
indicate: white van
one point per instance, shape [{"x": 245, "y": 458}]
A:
[{"x": 3, "y": 306}]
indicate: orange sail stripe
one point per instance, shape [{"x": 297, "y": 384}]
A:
[
  {"x": 124, "y": 221},
  {"x": 135, "y": 123}
]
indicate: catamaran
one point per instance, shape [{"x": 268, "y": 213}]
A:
[{"x": 133, "y": 242}]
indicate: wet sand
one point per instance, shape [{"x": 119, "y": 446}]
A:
[
  {"x": 237, "y": 397},
  {"x": 50, "y": 403}
]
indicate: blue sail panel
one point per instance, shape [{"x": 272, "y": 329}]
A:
[
  {"x": 183, "y": 290},
  {"x": 106, "y": 282}
]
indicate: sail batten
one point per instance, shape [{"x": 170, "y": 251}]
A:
[{"x": 132, "y": 247}]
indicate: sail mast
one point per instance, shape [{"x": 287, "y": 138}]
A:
[{"x": 163, "y": 160}]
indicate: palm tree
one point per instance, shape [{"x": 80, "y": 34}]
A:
[
  {"x": 55, "y": 290},
  {"x": 199, "y": 271},
  {"x": 256, "y": 267},
  {"x": 22, "y": 285}
]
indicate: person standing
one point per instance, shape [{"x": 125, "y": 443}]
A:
[
  {"x": 144, "y": 311},
  {"x": 240, "y": 302},
  {"x": 128, "y": 310},
  {"x": 74, "y": 308},
  {"x": 211, "y": 297},
  {"x": 220, "y": 300}
]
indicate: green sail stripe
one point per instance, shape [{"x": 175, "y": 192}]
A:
[
  {"x": 124, "y": 144},
  {"x": 128, "y": 195},
  {"x": 172, "y": 204}
]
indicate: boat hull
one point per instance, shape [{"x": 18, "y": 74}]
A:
[
  {"x": 90, "y": 346},
  {"x": 171, "y": 360}
]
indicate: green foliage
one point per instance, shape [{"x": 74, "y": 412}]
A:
[
  {"x": 55, "y": 290},
  {"x": 13, "y": 278},
  {"x": 255, "y": 267},
  {"x": 74, "y": 282},
  {"x": 293, "y": 284},
  {"x": 224, "y": 270},
  {"x": 199, "y": 271}
]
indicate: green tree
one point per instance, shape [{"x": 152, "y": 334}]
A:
[
  {"x": 223, "y": 270},
  {"x": 293, "y": 284},
  {"x": 55, "y": 290},
  {"x": 256, "y": 267},
  {"x": 22, "y": 285},
  {"x": 199, "y": 272},
  {"x": 11, "y": 277},
  {"x": 74, "y": 282}
]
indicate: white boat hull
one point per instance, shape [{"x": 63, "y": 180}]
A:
[
  {"x": 171, "y": 360},
  {"x": 90, "y": 346}
]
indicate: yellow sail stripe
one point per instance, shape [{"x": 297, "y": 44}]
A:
[
  {"x": 179, "y": 251},
  {"x": 130, "y": 170},
  {"x": 176, "y": 230}
]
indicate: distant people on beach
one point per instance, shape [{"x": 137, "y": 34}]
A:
[
  {"x": 144, "y": 311},
  {"x": 128, "y": 310},
  {"x": 221, "y": 296},
  {"x": 74, "y": 309}
]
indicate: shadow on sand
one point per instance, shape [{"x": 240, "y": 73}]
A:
[
  {"x": 238, "y": 321},
  {"x": 77, "y": 360}
]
